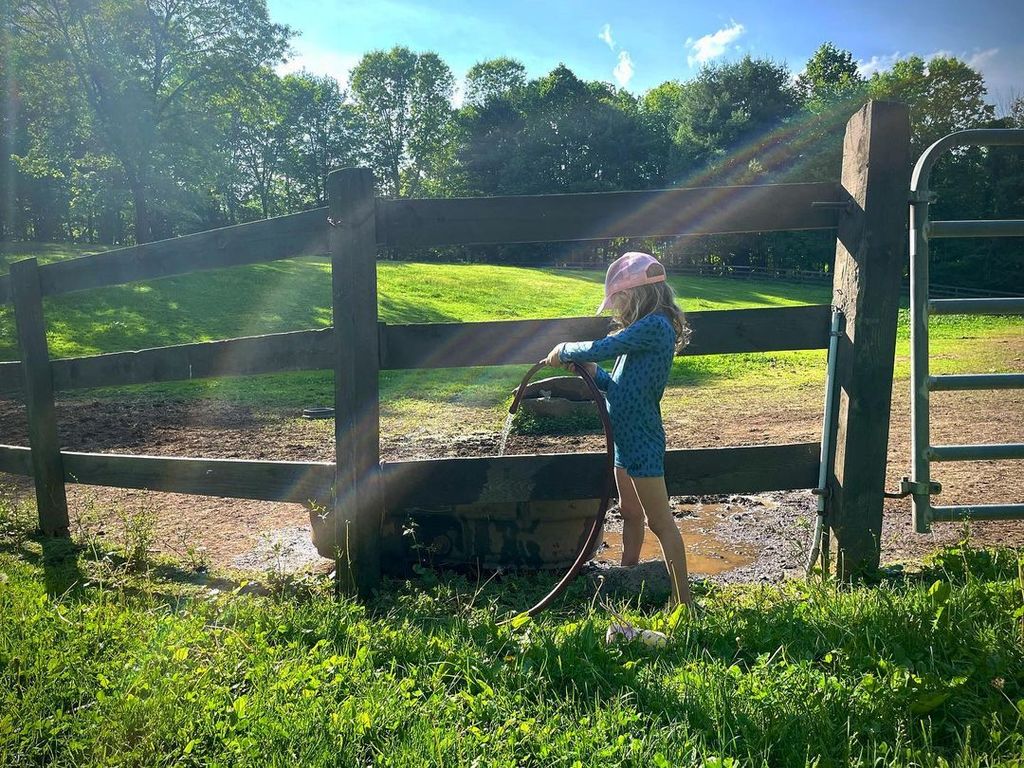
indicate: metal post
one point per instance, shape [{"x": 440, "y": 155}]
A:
[{"x": 919, "y": 436}]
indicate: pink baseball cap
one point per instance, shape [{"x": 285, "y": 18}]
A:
[{"x": 629, "y": 271}]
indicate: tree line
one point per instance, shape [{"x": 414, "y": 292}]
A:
[{"x": 132, "y": 120}]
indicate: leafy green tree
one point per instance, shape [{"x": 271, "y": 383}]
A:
[
  {"x": 323, "y": 135},
  {"x": 150, "y": 72},
  {"x": 559, "y": 133},
  {"x": 729, "y": 116},
  {"x": 501, "y": 78},
  {"x": 831, "y": 90},
  {"x": 830, "y": 75},
  {"x": 258, "y": 142},
  {"x": 944, "y": 95},
  {"x": 403, "y": 100},
  {"x": 661, "y": 110}
]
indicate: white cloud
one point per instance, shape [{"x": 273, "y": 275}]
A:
[
  {"x": 979, "y": 59},
  {"x": 605, "y": 35},
  {"x": 704, "y": 49},
  {"x": 624, "y": 69},
  {"x": 868, "y": 67},
  {"x": 337, "y": 64}
]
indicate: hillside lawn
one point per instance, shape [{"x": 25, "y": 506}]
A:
[{"x": 296, "y": 295}]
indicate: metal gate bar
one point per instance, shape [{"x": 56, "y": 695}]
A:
[
  {"x": 987, "y": 228},
  {"x": 921, "y": 383},
  {"x": 976, "y": 306},
  {"x": 976, "y": 512}
]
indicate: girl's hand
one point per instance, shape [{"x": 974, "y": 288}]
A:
[{"x": 554, "y": 359}]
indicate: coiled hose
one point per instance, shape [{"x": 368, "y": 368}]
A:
[{"x": 606, "y": 493}]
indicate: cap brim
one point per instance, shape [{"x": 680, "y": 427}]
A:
[{"x": 604, "y": 305}]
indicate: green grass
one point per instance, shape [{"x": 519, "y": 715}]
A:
[
  {"x": 294, "y": 295},
  {"x": 100, "y": 665}
]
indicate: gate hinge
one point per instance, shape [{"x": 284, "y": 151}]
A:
[{"x": 910, "y": 487}]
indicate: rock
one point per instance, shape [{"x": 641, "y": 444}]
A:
[
  {"x": 556, "y": 407},
  {"x": 567, "y": 387},
  {"x": 647, "y": 581}
]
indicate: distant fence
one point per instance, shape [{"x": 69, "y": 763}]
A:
[{"x": 361, "y": 490}]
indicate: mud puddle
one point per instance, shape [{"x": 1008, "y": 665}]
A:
[{"x": 706, "y": 553}]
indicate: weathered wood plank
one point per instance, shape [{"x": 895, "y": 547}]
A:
[
  {"x": 508, "y": 342},
  {"x": 746, "y": 469},
  {"x": 47, "y": 474},
  {"x": 438, "y": 482},
  {"x": 870, "y": 254},
  {"x": 272, "y": 353},
  {"x": 293, "y": 481},
  {"x": 598, "y": 216},
  {"x": 439, "y": 345},
  {"x": 16, "y": 460},
  {"x": 283, "y": 237},
  {"x": 358, "y": 510}
]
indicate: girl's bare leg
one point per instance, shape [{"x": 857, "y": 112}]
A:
[
  {"x": 633, "y": 528},
  {"x": 654, "y": 499}
]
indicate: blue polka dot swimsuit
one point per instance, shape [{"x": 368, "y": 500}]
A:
[{"x": 643, "y": 352}]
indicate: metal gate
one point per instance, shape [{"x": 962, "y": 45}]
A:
[{"x": 920, "y": 484}]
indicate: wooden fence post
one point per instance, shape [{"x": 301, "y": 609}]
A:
[
  {"x": 358, "y": 507},
  {"x": 870, "y": 255},
  {"x": 47, "y": 466}
]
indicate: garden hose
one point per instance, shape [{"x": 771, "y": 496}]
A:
[{"x": 606, "y": 494}]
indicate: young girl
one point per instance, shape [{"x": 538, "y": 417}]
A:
[{"x": 652, "y": 330}]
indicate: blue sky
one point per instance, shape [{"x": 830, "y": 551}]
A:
[{"x": 642, "y": 43}]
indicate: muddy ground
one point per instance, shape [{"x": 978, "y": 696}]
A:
[{"x": 737, "y": 538}]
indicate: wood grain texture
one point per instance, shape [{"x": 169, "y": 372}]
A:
[
  {"x": 602, "y": 215},
  {"x": 870, "y": 254},
  {"x": 47, "y": 472}
]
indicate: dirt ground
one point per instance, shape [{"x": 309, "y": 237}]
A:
[{"x": 744, "y": 538}]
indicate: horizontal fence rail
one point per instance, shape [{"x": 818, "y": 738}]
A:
[
  {"x": 294, "y": 481},
  {"x": 746, "y": 469},
  {"x": 433, "y": 482},
  {"x": 283, "y": 237},
  {"x": 434, "y": 345},
  {"x": 425, "y": 223}
]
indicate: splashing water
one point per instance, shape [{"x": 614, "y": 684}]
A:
[{"x": 504, "y": 434}]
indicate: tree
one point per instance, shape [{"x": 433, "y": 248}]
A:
[
  {"x": 258, "y": 141},
  {"x": 944, "y": 95},
  {"x": 501, "y": 78},
  {"x": 150, "y": 72},
  {"x": 403, "y": 101},
  {"x": 324, "y": 135},
  {"x": 729, "y": 116},
  {"x": 831, "y": 89},
  {"x": 831, "y": 74}
]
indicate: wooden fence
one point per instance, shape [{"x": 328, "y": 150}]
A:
[{"x": 361, "y": 488}]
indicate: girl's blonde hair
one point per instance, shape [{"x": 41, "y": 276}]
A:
[{"x": 647, "y": 299}]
